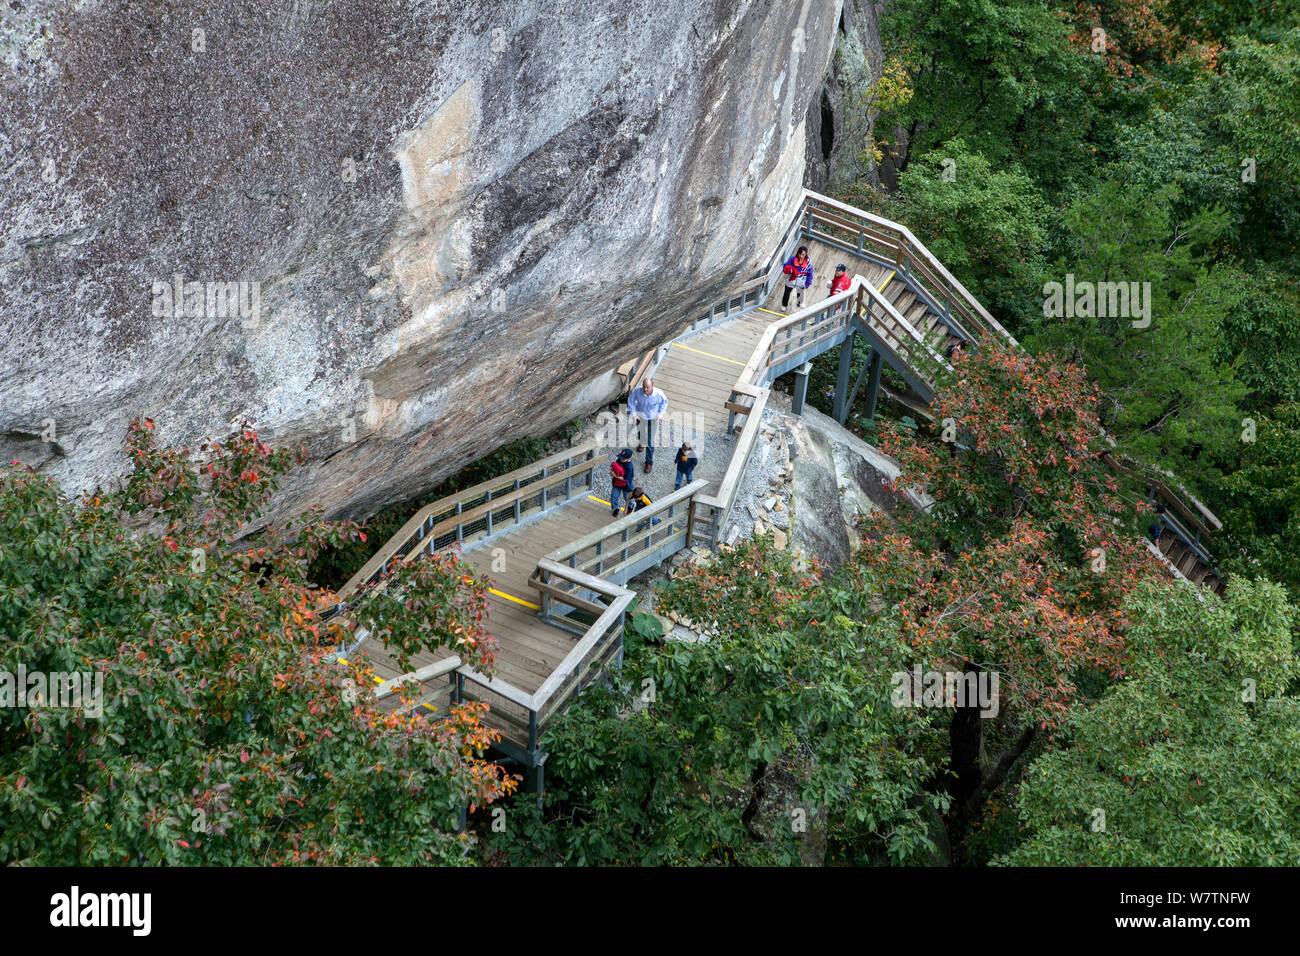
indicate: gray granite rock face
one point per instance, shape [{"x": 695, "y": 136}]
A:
[
  {"x": 842, "y": 117},
  {"x": 452, "y": 221}
]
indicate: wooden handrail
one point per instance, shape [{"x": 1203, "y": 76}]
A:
[
  {"x": 409, "y": 530},
  {"x": 620, "y": 598},
  {"x": 721, "y": 499},
  {"x": 919, "y": 249},
  {"x": 419, "y": 676},
  {"x": 615, "y": 528},
  {"x": 494, "y": 504}
]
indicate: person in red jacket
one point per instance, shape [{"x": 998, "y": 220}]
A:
[{"x": 840, "y": 283}]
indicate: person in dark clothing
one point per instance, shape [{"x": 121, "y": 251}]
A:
[
  {"x": 622, "y": 475},
  {"x": 686, "y": 462},
  {"x": 798, "y": 273},
  {"x": 1157, "y": 526},
  {"x": 638, "y": 500}
]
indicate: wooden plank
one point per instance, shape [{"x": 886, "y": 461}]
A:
[
  {"x": 696, "y": 382},
  {"x": 418, "y": 676},
  {"x": 541, "y": 640},
  {"x": 535, "y": 651},
  {"x": 598, "y": 631},
  {"x": 566, "y": 597}
]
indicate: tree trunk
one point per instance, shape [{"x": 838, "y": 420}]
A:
[{"x": 965, "y": 740}]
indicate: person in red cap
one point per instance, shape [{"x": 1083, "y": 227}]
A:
[{"x": 840, "y": 282}]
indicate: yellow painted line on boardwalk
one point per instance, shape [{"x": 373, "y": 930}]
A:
[
  {"x": 769, "y": 311},
  {"x": 709, "y": 354},
  {"x": 881, "y": 287},
  {"x": 517, "y": 600},
  {"x": 343, "y": 660},
  {"x": 607, "y": 504}
]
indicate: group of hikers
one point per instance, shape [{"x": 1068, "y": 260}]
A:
[
  {"x": 622, "y": 475},
  {"x": 646, "y": 404},
  {"x": 798, "y": 272}
]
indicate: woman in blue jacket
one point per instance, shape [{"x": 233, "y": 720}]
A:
[{"x": 798, "y": 273}]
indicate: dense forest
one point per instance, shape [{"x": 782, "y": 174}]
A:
[{"x": 1142, "y": 721}]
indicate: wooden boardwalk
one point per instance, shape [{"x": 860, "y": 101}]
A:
[
  {"x": 698, "y": 372},
  {"x": 544, "y": 537},
  {"x": 529, "y": 649}
]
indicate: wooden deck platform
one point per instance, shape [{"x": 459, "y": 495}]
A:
[
  {"x": 558, "y": 561},
  {"x": 698, "y": 371}
]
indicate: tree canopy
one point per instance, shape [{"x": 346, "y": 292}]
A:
[{"x": 227, "y": 732}]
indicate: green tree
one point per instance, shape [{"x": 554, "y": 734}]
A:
[
  {"x": 1262, "y": 501},
  {"x": 986, "y": 223},
  {"x": 227, "y": 732},
  {"x": 710, "y": 749},
  {"x": 1017, "y": 565},
  {"x": 1004, "y": 76},
  {"x": 1167, "y": 394},
  {"x": 1194, "y": 759}
]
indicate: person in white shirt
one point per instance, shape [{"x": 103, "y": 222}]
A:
[{"x": 645, "y": 406}]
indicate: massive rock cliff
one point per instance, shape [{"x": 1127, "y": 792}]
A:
[
  {"x": 842, "y": 117},
  {"x": 445, "y": 223}
]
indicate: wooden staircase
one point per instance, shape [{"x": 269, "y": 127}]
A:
[{"x": 1187, "y": 561}]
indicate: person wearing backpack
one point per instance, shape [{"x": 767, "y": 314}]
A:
[
  {"x": 686, "y": 462},
  {"x": 621, "y": 475}
]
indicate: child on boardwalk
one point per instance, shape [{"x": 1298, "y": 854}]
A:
[
  {"x": 686, "y": 462},
  {"x": 621, "y": 475},
  {"x": 638, "y": 500}
]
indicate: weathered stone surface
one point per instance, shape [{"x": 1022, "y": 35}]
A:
[
  {"x": 781, "y": 814},
  {"x": 841, "y": 118},
  {"x": 460, "y": 218},
  {"x": 838, "y": 478},
  {"x": 817, "y": 527}
]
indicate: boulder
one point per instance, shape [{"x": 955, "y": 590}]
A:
[{"x": 415, "y": 235}]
